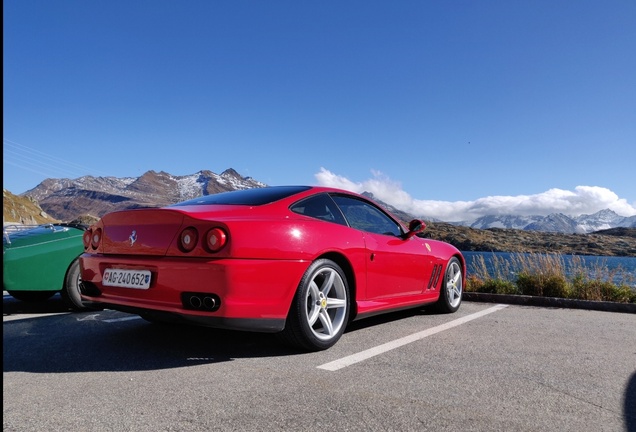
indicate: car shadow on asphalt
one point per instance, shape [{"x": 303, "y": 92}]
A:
[
  {"x": 52, "y": 344},
  {"x": 55, "y": 304},
  {"x": 56, "y": 344},
  {"x": 630, "y": 404}
]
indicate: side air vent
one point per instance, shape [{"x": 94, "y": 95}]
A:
[{"x": 437, "y": 271}]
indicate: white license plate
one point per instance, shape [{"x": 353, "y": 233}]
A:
[{"x": 139, "y": 279}]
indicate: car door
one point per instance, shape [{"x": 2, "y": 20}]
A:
[{"x": 395, "y": 266}]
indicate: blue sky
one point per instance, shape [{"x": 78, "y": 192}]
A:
[{"x": 457, "y": 106}]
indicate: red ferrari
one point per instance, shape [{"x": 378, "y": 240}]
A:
[{"x": 298, "y": 260}]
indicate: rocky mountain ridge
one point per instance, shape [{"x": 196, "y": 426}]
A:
[{"x": 67, "y": 199}]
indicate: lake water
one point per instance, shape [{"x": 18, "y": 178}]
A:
[{"x": 627, "y": 264}]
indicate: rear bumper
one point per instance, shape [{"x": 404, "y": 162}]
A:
[
  {"x": 247, "y": 324},
  {"x": 250, "y": 294}
]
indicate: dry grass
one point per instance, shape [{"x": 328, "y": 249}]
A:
[{"x": 550, "y": 275}]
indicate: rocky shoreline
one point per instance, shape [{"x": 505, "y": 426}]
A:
[{"x": 553, "y": 302}]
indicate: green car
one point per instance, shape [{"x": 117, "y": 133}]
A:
[{"x": 42, "y": 260}]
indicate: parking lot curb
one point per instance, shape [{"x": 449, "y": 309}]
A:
[{"x": 550, "y": 302}]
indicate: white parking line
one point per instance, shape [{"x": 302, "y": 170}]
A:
[
  {"x": 128, "y": 318},
  {"x": 372, "y": 352}
]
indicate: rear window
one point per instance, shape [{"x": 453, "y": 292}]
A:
[{"x": 251, "y": 197}]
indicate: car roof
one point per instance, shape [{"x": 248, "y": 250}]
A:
[{"x": 258, "y": 196}]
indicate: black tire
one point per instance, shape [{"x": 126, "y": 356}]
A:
[
  {"x": 450, "y": 296},
  {"x": 320, "y": 310},
  {"x": 71, "y": 290}
]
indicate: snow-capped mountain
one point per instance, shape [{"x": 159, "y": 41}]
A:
[
  {"x": 604, "y": 219},
  {"x": 66, "y": 199},
  {"x": 556, "y": 222},
  {"x": 503, "y": 221}
]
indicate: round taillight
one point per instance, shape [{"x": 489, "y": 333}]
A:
[
  {"x": 215, "y": 239},
  {"x": 188, "y": 239},
  {"x": 96, "y": 237},
  {"x": 86, "y": 238}
]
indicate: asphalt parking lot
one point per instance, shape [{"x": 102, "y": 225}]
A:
[{"x": 488, "y": 367}]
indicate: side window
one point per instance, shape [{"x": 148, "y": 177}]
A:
[
  {"x": 320, "y": 207},
  {"x": 366, "y": 217}
]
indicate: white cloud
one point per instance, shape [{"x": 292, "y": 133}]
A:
[{"x": 583, "y": 200}]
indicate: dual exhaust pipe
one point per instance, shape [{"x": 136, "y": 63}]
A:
[{"x": 200, "y": 301}]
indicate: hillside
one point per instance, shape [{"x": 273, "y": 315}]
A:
[
  {"x": 23, "y": 210},
  {"x": 612, "y": 242}
]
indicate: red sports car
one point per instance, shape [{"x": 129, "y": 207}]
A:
[{"x": 299, "y": 260}]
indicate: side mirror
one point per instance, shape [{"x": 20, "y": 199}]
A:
[{"x": 415, "y": 226}]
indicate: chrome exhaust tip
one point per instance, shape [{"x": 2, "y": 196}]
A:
[{"x": 200, "y": 301}]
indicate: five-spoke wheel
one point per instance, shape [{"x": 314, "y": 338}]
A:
[
  {"x": 320, "y": 310},
  {"x": 451, "y": 295}
]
